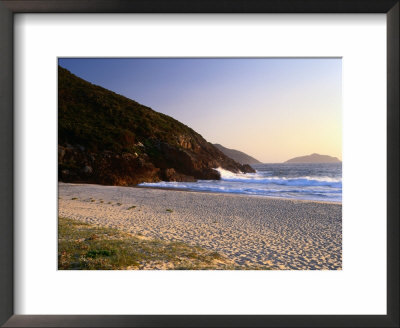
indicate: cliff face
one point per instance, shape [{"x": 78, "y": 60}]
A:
[
  {"x": 108, "y": 139},
  {"x": 237, "y": 155}
]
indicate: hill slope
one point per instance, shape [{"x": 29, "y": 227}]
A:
[
  {"x": 314, "y": 158},
  {"x": 237, "y": 155},
  {"x": 109, "y": 139}
]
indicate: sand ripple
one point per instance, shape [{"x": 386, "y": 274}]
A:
[{"x": 278, "y": 233}]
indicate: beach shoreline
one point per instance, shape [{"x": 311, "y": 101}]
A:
[
  {"x": 276, "y": 232},
  {"x": 238, "y": 194},
  {"x": 210, "y": 192}
]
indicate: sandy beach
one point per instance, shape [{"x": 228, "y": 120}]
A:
[{"x": 278, "y": 233}]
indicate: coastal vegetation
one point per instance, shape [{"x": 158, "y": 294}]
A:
[{"x": 83, "y": 246}]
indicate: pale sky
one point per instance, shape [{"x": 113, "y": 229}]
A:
[{"x": 272, "y": 109}]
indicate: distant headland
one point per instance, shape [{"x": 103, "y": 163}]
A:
[
  {"x": 314, "y": 158},
  {"x": 237, "y": 155}
]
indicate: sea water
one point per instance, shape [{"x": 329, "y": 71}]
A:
[{"x": 321, "y": 182}]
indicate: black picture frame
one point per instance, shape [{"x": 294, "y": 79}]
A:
[{"x": 10, "y": 7}]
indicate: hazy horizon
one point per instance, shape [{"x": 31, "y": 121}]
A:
[{"x": 271, "y": 109}]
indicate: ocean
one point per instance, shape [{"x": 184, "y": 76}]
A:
[{"x": 322, "y": 182}]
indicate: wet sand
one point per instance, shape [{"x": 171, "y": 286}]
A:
[{"x": 250, "y": 230}]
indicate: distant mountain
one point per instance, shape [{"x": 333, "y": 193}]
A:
[
  {"x": 314, "y": 158},
  {"x": 237, "y": 155},
  {"x": 106, "y": 138}
]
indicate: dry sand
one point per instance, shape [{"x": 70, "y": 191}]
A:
[{"x": 278, "y": 233}]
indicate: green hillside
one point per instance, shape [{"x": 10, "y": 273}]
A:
[{"x": 106, "y": 138}]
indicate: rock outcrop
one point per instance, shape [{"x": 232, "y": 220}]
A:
[{"x": 108, "y": 139}]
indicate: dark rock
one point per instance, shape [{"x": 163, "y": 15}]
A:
[
  {"x": 246, "y": 168},
  {"x": 211, "y": 174},
  {"x": 87, "y": 170},
  {"x": 171, "y": 175},
  {"x": 61, "y": 153}
]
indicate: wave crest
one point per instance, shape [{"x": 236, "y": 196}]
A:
[{"x": 295, "y": 181}]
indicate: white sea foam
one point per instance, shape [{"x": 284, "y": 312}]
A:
[
  {"x": 280, "y": 181},
  {"x": 258, "y": 177}
]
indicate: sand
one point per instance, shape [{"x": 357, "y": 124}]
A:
[{"x": 278, "y": 233}]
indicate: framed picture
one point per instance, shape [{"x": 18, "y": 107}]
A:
[{"x": 163, "y": 165}]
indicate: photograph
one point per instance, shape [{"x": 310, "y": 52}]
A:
[
  {"x": 228, "y": 163},
  {"x": 199, "y": 163}
]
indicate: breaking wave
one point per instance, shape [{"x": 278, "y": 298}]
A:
[
  {"x": 298, "y": 181},
  {"x": 309, "y": 182}
]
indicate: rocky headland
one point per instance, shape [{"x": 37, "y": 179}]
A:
[
  {"x": 237, "y": 155},
  {"x": 105, "y": 138}
]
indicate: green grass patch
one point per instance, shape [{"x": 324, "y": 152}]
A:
[
  {"x": 83, "y": 246},
  {"x": 100, "y": 252}
]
